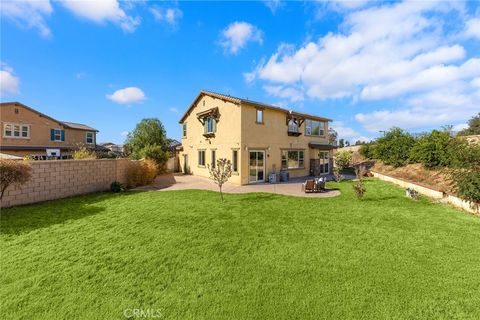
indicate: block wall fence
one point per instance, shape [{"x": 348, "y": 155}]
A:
[{"x": 54, "y": 179}]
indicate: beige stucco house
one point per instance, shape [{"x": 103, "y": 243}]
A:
[
  {"x": 258, "y": 138},
  {"x": 28, "y": 132}
]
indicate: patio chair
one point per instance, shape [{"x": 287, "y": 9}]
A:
[
  {"x": 319, "y": 185},
  {"x": 308, "y": 186}
]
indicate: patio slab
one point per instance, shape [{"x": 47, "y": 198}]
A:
[{"x": 293, "y": 187}]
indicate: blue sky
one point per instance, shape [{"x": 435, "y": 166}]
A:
[{"x": 367, "y": 65}]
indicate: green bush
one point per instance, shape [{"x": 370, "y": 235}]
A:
[
  {"x": 465, "y": 170},
  {"x": 433, "y": 149},
  {"x": 106, "y": 155},
  {"x": 117, "y": 187},
  {"x": 394, "y": 147},
  {"x": 157, "y": 154},
  {"x": 367, "y": 150},
  {"x": 343, "y": 159}
]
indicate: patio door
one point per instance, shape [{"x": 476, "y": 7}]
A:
[{"x": 257, "y": 166}]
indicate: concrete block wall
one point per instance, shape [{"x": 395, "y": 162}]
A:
[{"x": 64, "y": 178}]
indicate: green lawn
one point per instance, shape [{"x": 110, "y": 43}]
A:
[{"x": 255, "y": 256}]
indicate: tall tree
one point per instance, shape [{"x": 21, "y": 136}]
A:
[
  {"x": 148, "y": 132},
  {"x": 332, "y": 136},
  {"x": 473, "y": 127}
]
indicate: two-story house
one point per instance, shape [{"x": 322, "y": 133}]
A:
[
  {"x": 27, "y": 132},
  {"x": 258, "y": 138}
]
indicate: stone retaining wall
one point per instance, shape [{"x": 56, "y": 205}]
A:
[
  {"x": 54, "y": 179},
  {"x": 435, "y": 194}
]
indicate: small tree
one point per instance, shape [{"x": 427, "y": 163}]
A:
[
  {"x": 332, "y": 136},
  {"x": 394, "y": 147},
  {"x": 342, "y": 160},
  {"x": 359, "y": 186},
  {"x": 221, "y": 173},
  {"x": 473, "y": 126},
  {"x": 13, "y": 172}
]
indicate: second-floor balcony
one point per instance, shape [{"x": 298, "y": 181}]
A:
[{"x": 294, "y": 123}]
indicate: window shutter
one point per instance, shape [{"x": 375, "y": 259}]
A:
[
  {"x": 63, "y": 135},
  {"x": 52, "y": 134},
  {"x": 214, "y": 125},
  {"x": 205, "y": 126}
]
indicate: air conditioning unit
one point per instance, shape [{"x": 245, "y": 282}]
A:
[{"x": 53, "y": 152}]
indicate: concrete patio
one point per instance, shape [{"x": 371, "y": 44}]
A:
[{"x": 168, "y": 182}]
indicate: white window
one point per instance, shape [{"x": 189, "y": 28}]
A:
[
  {"x": 184, "y": 130},
  {"x": 16, "y": 130},
  {"x": 214, "y": 158},
  {"x": 57, "y": 135},
  {"x": 89, "y": 137},
  {"x": 292, "y": 159},
  {"x": 201, "y": 158},
  {"x": 210, "y": 125},
  {"x": 314, "y": 128},
  {"x": 259, "y": 116}
]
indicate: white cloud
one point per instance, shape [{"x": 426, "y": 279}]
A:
[
  {"x": 273, "y": 5},
  {"x": 124, "y": 133},
  {"x": 428, "y": 110},
  {"x": 291, "y": 94},
  {"x": 127, "y": 95},
  {"x": 174, "y": 110},
  {"x": 238, "y": 34},
  {"x": 9, "y": 83},
  {"x": 472, "y": 28},
  {"x": 460, "y": 127},
  {"x": 103, "y": 11},
  {"x": 397, "y": 41},
  {"x": 406, "y": 51},
  {"x": 170, "y": 15},
  {"x": 28, "y": 14},
  {"x": 347, "y": 133}
]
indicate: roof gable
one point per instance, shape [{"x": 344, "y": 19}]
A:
[
  {"x": 70, "y": 125},
  {"x": 240, "y": 101}
]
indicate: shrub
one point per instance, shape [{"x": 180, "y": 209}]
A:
[
  {"x": 106, "y": 155},
  {"x": 367, "y": 150},
  {"x": 394, "y": 147},
  {"x": 465, "y": 170},
  {"x": 343, "y": 159},
  {"x": 359, "y": 186},
  {"x": 432, "y": 149},
  {"x": 157, "y": 154},
  {"x": 13, "y": 172},
  {"x": 84, "y": 153},
  {"x": 117, "y": 187},
  {"x": 140, "y": 173}
]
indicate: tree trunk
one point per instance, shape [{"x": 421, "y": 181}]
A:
[{"x": 221, "y": 194}]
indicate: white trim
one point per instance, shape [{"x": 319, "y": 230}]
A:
[
  {"x": 86, "y": 137},
  {"x": 12, "y": 130},
  {"x": 55, "y": 134},
  {"x": 264, "y": 166}
]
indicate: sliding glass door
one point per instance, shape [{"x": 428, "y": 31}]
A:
[{"x": 257, "y": 166}]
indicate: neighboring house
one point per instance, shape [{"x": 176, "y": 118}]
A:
[
  {"x": 27, "y": 132},
  {"x": 258, "y": 138},
  {"x": 115, "y": 148}
]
